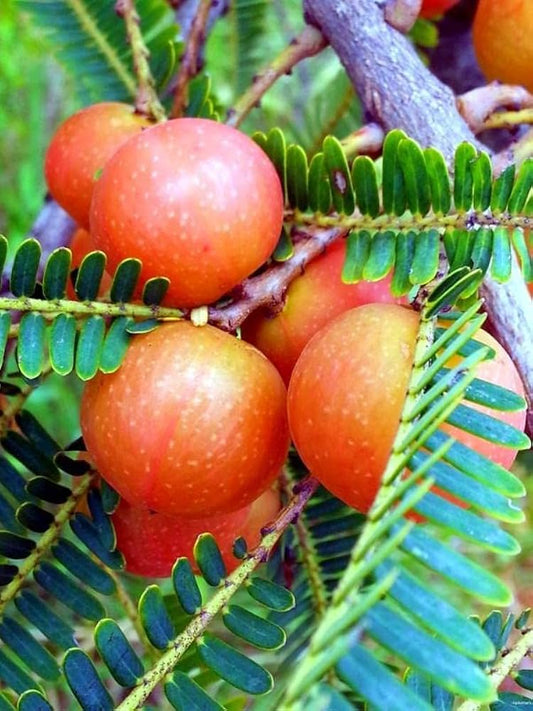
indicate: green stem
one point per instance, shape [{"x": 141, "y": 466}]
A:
[
  {"x": 231, "y": 584},
  {"x": 86, "y": 308}
]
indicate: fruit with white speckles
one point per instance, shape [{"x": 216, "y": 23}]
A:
[
  {"x": 196, "y": 201},
  {"x": 312, "y": 300},
  {"x": 194, "y": 422},
  {"x": 347, "y": 392},
  {"x": 151, "y": 542},
  {"x": 81, "y": 147}
]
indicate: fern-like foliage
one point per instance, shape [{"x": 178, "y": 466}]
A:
[
  {"x": 403, "y": 211},
  {"x": 88, "y": 34}
]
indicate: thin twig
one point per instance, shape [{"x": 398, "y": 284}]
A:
[
  {"x": 190, "y": 64},
  {"x": 477, "y": 105},
  {"x": 146, "y": 101},
  {"x": 308, "y": 43}
]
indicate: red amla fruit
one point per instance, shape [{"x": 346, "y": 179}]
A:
[
  {"x": 151, "y": 542},
  {"x": 80, "y": 148},
  {"x": 347, "y": 392},
  {"x": 312, "y": 300},
  {"x": 193, "y": 423},
  {"x": 196, "y": 201}
]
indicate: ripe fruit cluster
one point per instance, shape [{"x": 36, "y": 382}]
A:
[{"x": 194, "y": 427}]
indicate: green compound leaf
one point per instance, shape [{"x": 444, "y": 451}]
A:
[
  {"x": 521, "y": 188},
  {"x": 482, "y": 175},
  {"x": 357, "y": 250},
  {"x": 34, "y": 517},
  {"x": 83, "y": 567},
  {"x": 501, "y": 190},
  {"x": 89, "y": 276},
  {"x": 155, "y": 618},
  {"x": 365, "y": 181},
  {"x": 38, "y": 613},
  {"x": 117, "y": 653},
  {"x": 340, "y": 179},
  {"x": 14, "y": 546},
  {"x": 463, "y": 187},
  {"x": 90, "y": 344},
  {"x": 26, "y": 647},
  {"x": 70, "y": 593},
  {"x": 25, "y": 266},
  {"x": 88, "y": 533},
  {"x": 417, "y": 188},
  {"x": 297, "y": 171},
  {"x": 382, "y": 255},
  {"x": 83, "y": 679},
  {"x": 115, "y": 344},
  {"x": 270, "y": 594},
  {"x": 56, "y": 274},
  {"x": 31, "y": 343},
  {"x": 394, "y": 191},
  {"x": 253, "y": 629},
  {"x": 318, "y": 186},
  {"x": 232, "y": 666},
  {"x": 62, "y": 343},
  {"x": 207, "y": 555},
  {"x": 426, "y": 257},
  {"x": 14, "y": 676},
  {"x": 439, "y": 181},
  {"x": 186, "y": 695},
  {"x": 125, "y": 280},
  {"x": 186, "y": 587},
  {"x": 370, "y": 679},
  {"x": 32, "y": 701}
]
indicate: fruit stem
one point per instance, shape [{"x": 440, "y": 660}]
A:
[
  {"x": 146, "y": 101},
  {"x": 190, "y": 63},
  {"x": 165, "y": 665}
]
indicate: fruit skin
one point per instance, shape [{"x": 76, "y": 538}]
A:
[
  {"x": 151, "y": 542},
  {"x": 347, "y": 392},
  {"x": 433, "y": 8},
  {"x": 80, "y": 148},
  {"x": 501, "y": 33},
  {"x": 193, "y": 423},
  {"x": 80, "y": 245},
  {"x": 196, "y": 201},
  {"x": 312, "y": 300}
]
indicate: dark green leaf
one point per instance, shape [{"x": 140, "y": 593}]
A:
[
  {"x": 339, "y": 176},
  {"x": 89, "y": 276},
  {"x": 405, "y": 249},
  {"x": 36, "y": 433},
  {"x": 297, "y": 170},
  {"x": 65, "y": 589},
  {"x": 56, "y": 274},
  {"x": 439, "y": 181},
  {"x": 74, "y": 467},
  {"x": 25, "y": 266},
  {"x": 32, "y": 654},
  {"x": 84, "y": 682},
  {"x": 125, "y": 280},
  {"x": 29, "y": 455},
  {"x": 143, "y": 326},
  {"x": 14, "y": 676},
  {"x": 525, "y": 678},
  {"x": 318, "y": 186},
  {"x": 357, "y": 250},
  {"x": 463, "y": 187},
  {"x": 46, "y": 490},
  {"x": 270, "y": 594},
  {"x": 521, "y": 188},
  {"x": 5, "y": 325},
  {"x": 361, "y": 671},
  {"x": 30, "y": 346},
  {"x": 521, "y": 248},
  {"x": 382, "y": 255},
  {"x": 7, "y": 573},
  {"x": 155, "y": 618},
  {"x": 487, "y": 427},
  {"x": 34, "y": 517},
  {"x": 284, "y": 248},
  {"x": 154, "y": 290},
  {"x": 185, "y": 695},
  {"x": 501, "y": 255},
  {"x": 32, "y": 701},
  {"x": 39, "y": 614},
  {"x": 207, "y": 555},
  {"x": 61, "y": 343},
  {"x": 426, "y": 257},
  {"x": 14, "y": 546},
  {"x": 451, "y": 670},
  {"x": 88, "y": 533},
  {"x": 115, "y": 344},
  {"x": 481, "y": 254},
  {"x": 83, "y": 567},
  {"x": 232, "y": 666},
  {"x": 501, "y": 190},
  {"x": 277, "y": 151},
  {"x": 508, "y": 701},
  {"x": 90, "y": 344},
  {"x": 394, "y": 198},
  {"x": 482, "y": 175},
  {"x": 417, "y": 188},
  {"x": 253, "y": 629},
  {"x": 365, "y": 182},
  {"x": 117, "y": 653},
  {"x": 186, "y": 587}
]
